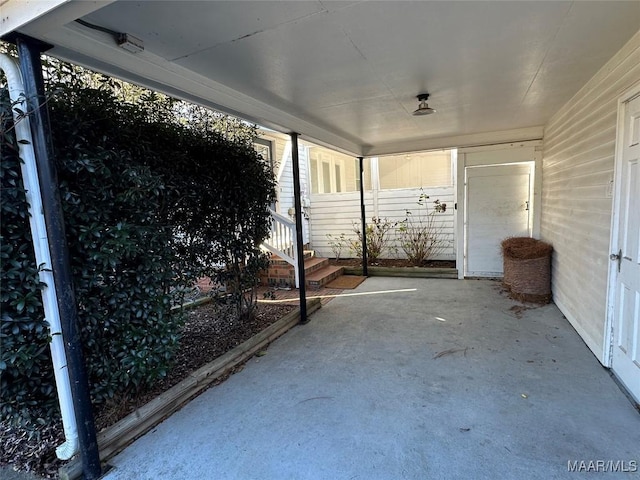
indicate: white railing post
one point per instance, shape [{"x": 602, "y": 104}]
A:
[
  {"x": 294, "y": 255},
  {"x": 282, "y": 241}
]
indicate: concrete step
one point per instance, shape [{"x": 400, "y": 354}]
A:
[{"x": 323, "y": 276}]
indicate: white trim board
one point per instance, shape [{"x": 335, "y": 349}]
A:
[
  {"x": 500, "y": 146},
  {"x": 516, "y": 152},
  {"x": 459, "y": 141}
]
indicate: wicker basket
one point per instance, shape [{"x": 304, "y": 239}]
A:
[{"x": 527, "y": 269}]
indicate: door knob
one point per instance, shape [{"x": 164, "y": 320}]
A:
[{"x": 617, "y": 257}]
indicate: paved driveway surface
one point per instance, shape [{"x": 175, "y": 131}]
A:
[{"x": 448, "y": 380}]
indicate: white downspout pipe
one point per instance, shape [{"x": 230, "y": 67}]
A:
[{"x": 43, "y": 259}]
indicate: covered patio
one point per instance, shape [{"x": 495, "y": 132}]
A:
[
  {"x": 414, "y": 378},
  {"x": 452, "y": 379}
]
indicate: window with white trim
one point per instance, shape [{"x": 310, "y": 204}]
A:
[
  {"x": 265, "y": 149},
  {"x": 333, "y": 172}
]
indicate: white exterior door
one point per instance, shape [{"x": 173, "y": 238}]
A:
[
  {"x": 498, "y": 199},
  {"x": 625, "y": 355}
]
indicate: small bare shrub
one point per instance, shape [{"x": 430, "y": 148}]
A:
[
  {"x": 378, "y": 241},
  {"x": 421, "y": 234},
  {"x": 337, "y": 243}
]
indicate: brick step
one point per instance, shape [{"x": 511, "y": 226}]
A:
[
  {"x": 313, "y": 264},
  {"x": 323, "y": 276},
  {"x": 275, "y": 260},
  {"x": 282, "y": 274}
]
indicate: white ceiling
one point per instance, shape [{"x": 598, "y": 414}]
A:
[{"x": 346, "y": 73}]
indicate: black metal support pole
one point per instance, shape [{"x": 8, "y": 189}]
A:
[
  {"x": 363, "y": 215},
  {"x": 29, "y": 53},
  {"x": 299, "y": 237}
]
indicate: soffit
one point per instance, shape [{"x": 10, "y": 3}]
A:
[{"x": 346, "y": 73}]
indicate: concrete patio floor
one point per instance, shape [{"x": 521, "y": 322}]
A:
[{"x": 450, "y": 381}]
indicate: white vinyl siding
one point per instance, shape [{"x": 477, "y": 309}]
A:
[
  {"x": 392, "y": 186},
  {"x": 418, "y": 169},
  {"x": 393, "y": 205},
  {"x": 336, "y": 213},
  {"x": 577, "y": 175}
]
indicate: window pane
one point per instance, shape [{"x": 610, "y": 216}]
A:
[
  {"x": 338, "y": 180},
  {"x": 263, "y": 147},
  {"x": 366, "y": 169},
  {"x": 314, "y": 175},
  {"x": 326, "y": 177}
]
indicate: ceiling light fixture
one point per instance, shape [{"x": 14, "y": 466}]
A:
[{"x": 423, "y": 108}]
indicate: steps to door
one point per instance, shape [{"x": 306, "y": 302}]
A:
[
  {"x": 317, "y": 272},
  {"x": 323, "y": 276}
]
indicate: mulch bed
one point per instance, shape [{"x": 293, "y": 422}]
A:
[{"x": 207, "y": 334}]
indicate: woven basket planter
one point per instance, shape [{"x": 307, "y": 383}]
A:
[
  {"x": 527, "y": 269},
  {"x": 508, "y": 267}
]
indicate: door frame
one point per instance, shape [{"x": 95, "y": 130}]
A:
[
  {"x": 517, "y": 152},
  {"x": 612, "y": 278},
  {"x": 493, "y": 172}
]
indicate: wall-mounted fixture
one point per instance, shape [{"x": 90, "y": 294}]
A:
[
  {"x": 125, "y": 41},
  {"x": 423, "y": 108},
  {"x": 130, "y": 43}
]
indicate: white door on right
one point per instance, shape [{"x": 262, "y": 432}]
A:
[{"x": 625, "y": 360}]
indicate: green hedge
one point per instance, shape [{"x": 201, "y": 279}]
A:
[
  {"x": 26, "y": 375},
  {"x": 151, "y": 203}
]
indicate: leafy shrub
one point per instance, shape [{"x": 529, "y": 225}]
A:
[
  {"x": 152, "y": 202},
  {"x": 421, "y": 236},
  {"x": 26, "y": 375},
  {"x": 221, "y": 219},
  {"x": 122, "y": 267}
]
